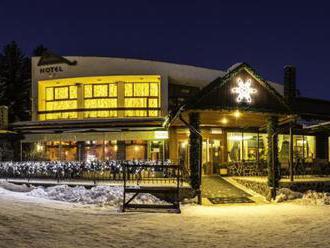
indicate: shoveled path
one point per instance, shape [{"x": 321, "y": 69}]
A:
[{"x": 216, "y": 186}]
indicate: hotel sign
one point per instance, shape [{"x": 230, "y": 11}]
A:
[
  {"x": 50, "y": 63},
  {"x": 51, "y": 69}
]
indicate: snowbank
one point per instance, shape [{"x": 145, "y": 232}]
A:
[
  {"x": 308, "y": 198},
  {"x": 285, "y": 194},
  {"x": 15, "y": 187},
  {"x": 98, "y": 195}
]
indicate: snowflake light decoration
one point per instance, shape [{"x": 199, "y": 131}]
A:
[{"x": 244, "y": 90}]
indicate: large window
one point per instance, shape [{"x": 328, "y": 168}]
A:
[
  {"x": 142, "y": 96},
  {"x": 99, "y": 97},
  {"x": 303, "y": 148},
  {"x": 246, "y": 146},
  {"x": 59, "y": 102}
]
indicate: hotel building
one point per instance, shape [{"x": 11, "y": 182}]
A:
[{"x": 86, "y": 108}]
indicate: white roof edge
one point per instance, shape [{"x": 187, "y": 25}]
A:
[
  {"x": 144, "y": 60},
  {"x": 218, "y": 72}
]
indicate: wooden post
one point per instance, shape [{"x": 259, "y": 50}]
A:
[
  {"x": 258, "y": 147},
  {"x": 103, "y": 150},
  {"x": 195, "y": 154},
  {"x": 291, "y": 155},
  {"x": 60, "y": 150},
  {"x": 163, "y": 151},
  {"x": 272, "y": 161}
]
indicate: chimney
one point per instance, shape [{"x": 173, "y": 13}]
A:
[
  {"x": 290, "y": 84},
  {"x": 3, "y": 117}
]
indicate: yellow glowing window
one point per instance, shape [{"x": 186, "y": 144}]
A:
[
  {"x": 154, "y": 89},
  {"x": 141, "y": 89},
  {"x": 61, "y": 93},
  {"x": 112, "y": 90},
  {"x": 99, "y": 97},
  {"x": 135, "y": 103},
  {"x": 100, "y": 103},
  {"x": 128, "y": 89},
  {"x": 49, "y": 94},
  {"x": 73, "y": 92},
  {"x": 88, "y": 91},
  {"x": 100, "y": 90},
  {"x": 61, "y": 105},
  {"x": 153, "y": 103},
  {"x": 63, "y": 115}
]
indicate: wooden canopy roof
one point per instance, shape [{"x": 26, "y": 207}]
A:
[{"x": 219, "y": 94}]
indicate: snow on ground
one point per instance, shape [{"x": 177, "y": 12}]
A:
[
  {"x": 100, "y": 195},
  {"x": 27, "y": 221}
]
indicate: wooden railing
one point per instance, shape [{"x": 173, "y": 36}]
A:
[{"x": 134, "y": 174}]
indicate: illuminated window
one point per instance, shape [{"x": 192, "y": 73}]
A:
[
  {"x": 61, "y": 93},
  {"x": 153, "y": 103},
  {"x": 142, "y": 99},
  {"x": 244, "y": 146},
  {"x": 73, "y": 92},
  {"x": 303, "y": 148},
  {"x": 100, "y": 90},
  {"x": 88, "y": 91},
  {"x": 136, "y": 103},
  {"x": 154, "y": 89},
  {"x": 49, "y": 94},
  {"x": 61, "y": 98},
  {"x": 99, "y": 97},
  {"x": 141, "y": 89},
  {"x": 113, "y": 90},
  {"x": 128, "y": 89}
]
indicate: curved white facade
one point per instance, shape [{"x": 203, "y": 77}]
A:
[{"x": 107, "y": 66}]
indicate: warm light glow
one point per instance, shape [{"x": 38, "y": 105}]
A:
[
  {"x": 216, "y": 131},
  {"x": 244, "y": 90},
  {"x": 136, "y": 148},
  {"x": 239, "y": 137},
  {"x": 237, "y": 114},
  {"x": 184, "y": 144},
  {"x": 224, "y": 121},
  {"x": 115, "y": 148},
  {"x": 161, "y": 134},
  {"x": 39, "y": 148}
]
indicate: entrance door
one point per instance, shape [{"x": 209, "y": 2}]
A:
[{"x": 212, "y": 156}]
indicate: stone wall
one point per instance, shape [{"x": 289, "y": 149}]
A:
[
  {"x": 263, "y": 189},
  {"x": 319, "y": 186},
  {"x": 258, "y": 187}
]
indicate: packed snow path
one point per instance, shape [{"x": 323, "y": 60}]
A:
[{"x": 33, "y": 222}]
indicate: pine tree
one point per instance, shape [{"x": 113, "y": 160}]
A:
[{"x": 15, "y": 82}]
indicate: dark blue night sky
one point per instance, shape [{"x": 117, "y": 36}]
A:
[{"x": 215, "y": 34}]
